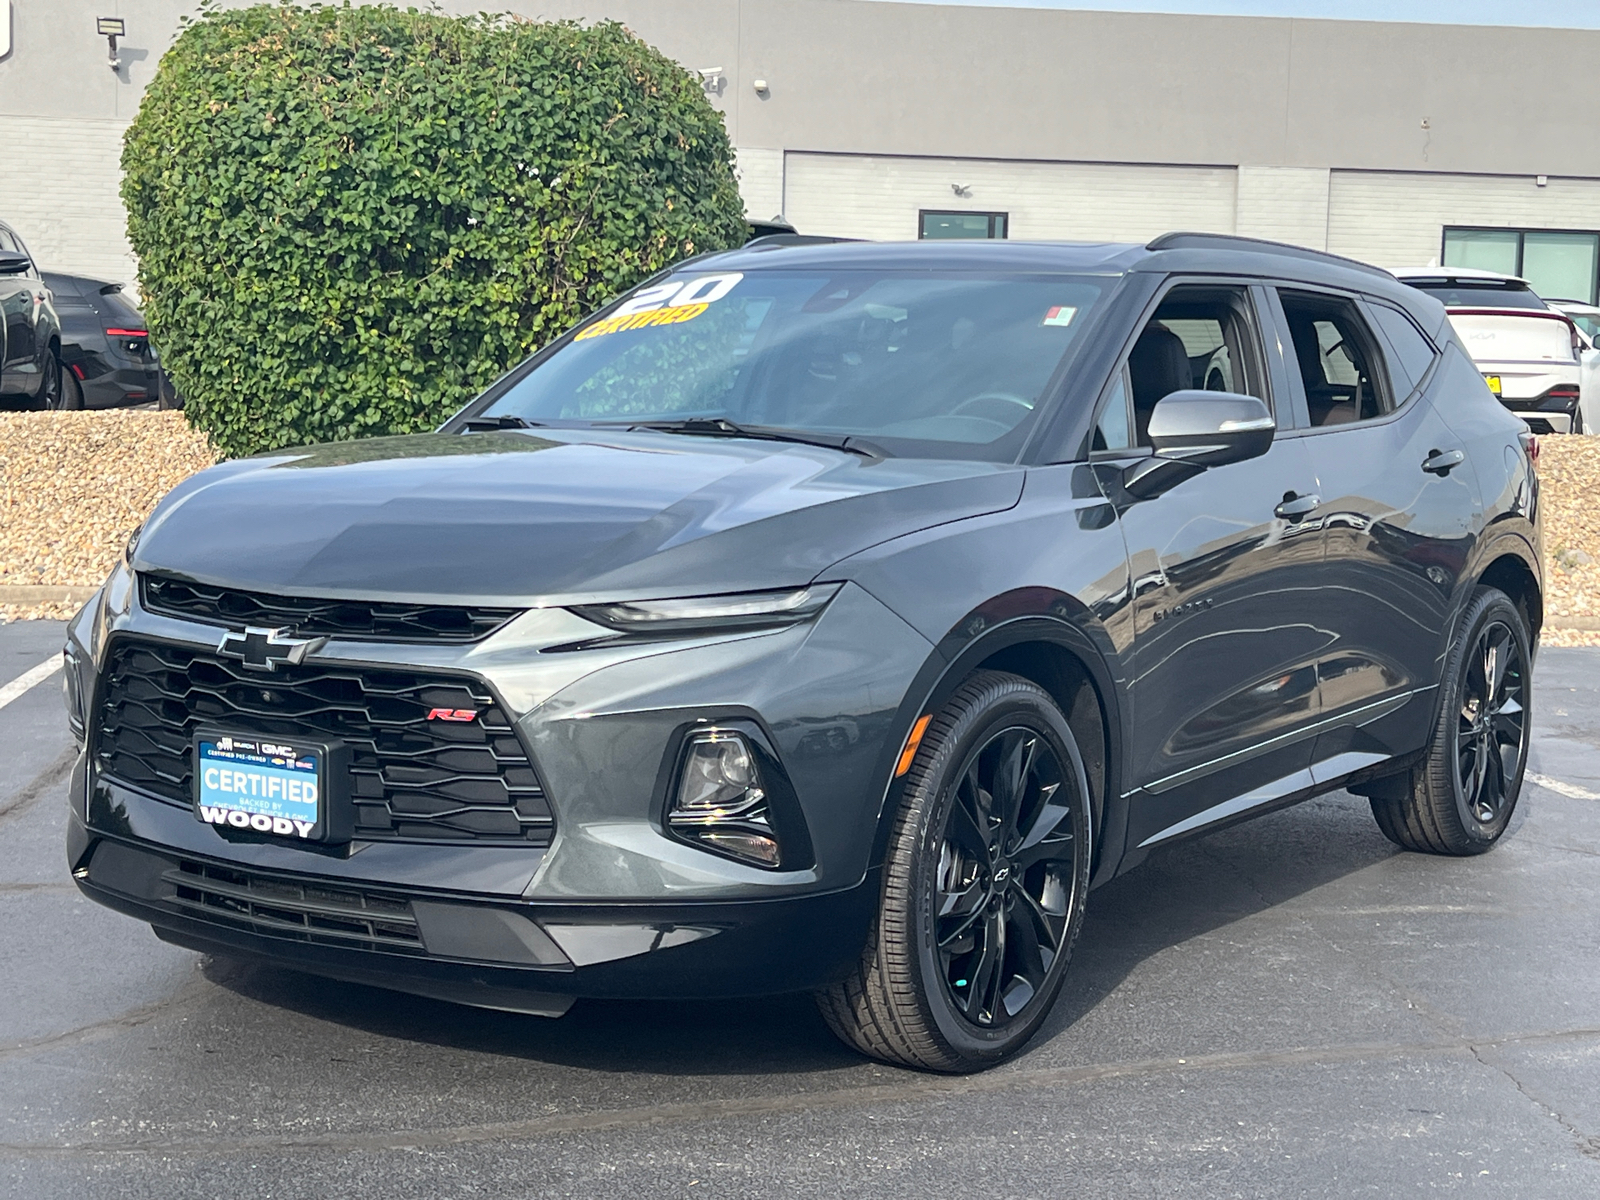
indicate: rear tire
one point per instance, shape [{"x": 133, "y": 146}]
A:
[
  {"x": 1460, "y": 798},
  {"x": 984, "y": 885},
  {"x": 48, "y": 397},
  {"x": 71, "y": 392}
]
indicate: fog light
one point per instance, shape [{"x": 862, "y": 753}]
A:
[
  {"x": 719, "y": 779},
  {"x": 720, "y": 802}
]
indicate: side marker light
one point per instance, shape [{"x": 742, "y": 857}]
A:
[{"x": 913, "y": 740}]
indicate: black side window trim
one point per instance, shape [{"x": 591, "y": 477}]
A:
[
  {"x": 1359, "y": 302},
  {"x": 1372, "y": 302}
]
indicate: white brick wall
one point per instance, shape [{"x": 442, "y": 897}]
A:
[
  {"x": 1284, "y": 204},
  {"x": 60, "y": 192},
  {"x": 1396, "y": 219},
  {"x": 879, "y": 196},
  {"x": 760, "y": 176}
]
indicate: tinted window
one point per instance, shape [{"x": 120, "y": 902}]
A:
[
  {"x": 5, "y": 239},
  {"x": 939, "y": 225},
  {"x": 1200, "y": 337},
  {"x": 1111, "y": 432},
  {"x": 1340, "y": 365},
  {"x": 920, "y": 363},
  {"x": 1411, "y": 354}
]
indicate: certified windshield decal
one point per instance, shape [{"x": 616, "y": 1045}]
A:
[{"x": 665, "y": 304}]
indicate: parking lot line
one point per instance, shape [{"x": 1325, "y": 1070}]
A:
[
  {"x": 1570, "y": 790},
  {"x": 29, "y": 678}
]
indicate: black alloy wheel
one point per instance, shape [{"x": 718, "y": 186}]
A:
[
  {"x": 1491, "y": 726},
  {"x": 984, "y": 885},
  {"x": 1005, "y": 877},
  {"x": 1460, "y": 799}
]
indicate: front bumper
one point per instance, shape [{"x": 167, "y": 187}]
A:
[
  {"x": 473, "y": 949},
  {"x": 615, "y": 906}
]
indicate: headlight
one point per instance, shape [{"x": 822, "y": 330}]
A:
[
  {"x": 130, "y": 546},
  {"x": 72, "y": 692},
  {"x": 745, "y": 610}
]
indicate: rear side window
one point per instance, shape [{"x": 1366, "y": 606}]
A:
[
  {"x": 1340, "y": 363},
  {"x": 1410, "y": 353}
]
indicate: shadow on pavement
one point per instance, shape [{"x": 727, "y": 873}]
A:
[{"x": 1181, "y": 893}]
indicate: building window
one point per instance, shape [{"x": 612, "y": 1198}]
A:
[
  {"x": 962, "y": 225},
  {"x": 1561, "y": 264}
]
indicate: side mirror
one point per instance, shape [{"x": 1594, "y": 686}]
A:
[
  {"x": 1192, "y": 430},
  {"x": 14, "y": 262}
]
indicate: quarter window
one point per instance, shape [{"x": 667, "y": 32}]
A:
[
  {"x": 1411, "y": 353},
  {"x": 1338, "y": 357}
]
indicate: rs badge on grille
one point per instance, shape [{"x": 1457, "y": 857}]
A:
[{"x": 266, "y": 648}]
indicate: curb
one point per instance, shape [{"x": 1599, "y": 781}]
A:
[{"x": 23, "y": 593}]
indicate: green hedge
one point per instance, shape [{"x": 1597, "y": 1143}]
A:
[{"x": 349, "y": 220}]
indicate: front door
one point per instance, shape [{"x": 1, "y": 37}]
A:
[{"x": 1223, "y": 672}]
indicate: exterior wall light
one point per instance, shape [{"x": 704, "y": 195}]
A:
[{"x": 111, "y": 28}]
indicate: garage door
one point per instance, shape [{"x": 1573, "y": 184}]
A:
[{"x": 881, "y": 197}]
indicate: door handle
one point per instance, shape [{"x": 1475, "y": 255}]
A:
[
  {"x": 1294, "y": 507},
  {"x": 1441, "y": 462}
]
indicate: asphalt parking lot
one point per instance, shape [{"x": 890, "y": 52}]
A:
[{"x": 1288, "y": 1008}]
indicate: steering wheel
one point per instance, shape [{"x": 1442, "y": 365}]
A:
[{"x": 993, "y": 398}]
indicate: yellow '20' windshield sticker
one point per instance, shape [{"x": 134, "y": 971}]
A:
[{"x": 664, "y": 304}]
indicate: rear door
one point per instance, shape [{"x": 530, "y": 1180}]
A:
[
  {"x": 1398, "y": 504},
  {"x": 1224, "y": 567}
]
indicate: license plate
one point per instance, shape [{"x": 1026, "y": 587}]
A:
[
  {"x": 1494, "y": 383},
  {"x": 263, "y": 785}
]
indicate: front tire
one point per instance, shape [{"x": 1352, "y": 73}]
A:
[
  {"x": 984, "y": 885},
  {"x": 1459, "y": 800}
]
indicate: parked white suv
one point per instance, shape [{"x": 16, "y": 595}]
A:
[{"x": 1530, "y": 354}]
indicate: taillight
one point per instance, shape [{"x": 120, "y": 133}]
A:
[
  {"x": 128, "y": 333},
  {"x": 1530, "y": 447},
  {"x": 1562, "y": 393}
]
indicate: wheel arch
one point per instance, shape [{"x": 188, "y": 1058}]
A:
[
  {"x": 1509, "y": 564},
  {"x": 1053, "y": 640}
]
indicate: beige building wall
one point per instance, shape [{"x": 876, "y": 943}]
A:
[
  {"x": 880, "y": 196},
  {"x": 1395, "y": 219}
]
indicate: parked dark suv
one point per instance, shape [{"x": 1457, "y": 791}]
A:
[
  {"x": 30, "y": 332},
  {"x": 107, "y": 360},
  {"x": 825, "y": 617}
]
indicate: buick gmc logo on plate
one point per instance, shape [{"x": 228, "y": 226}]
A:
[{"x": 266, "y": 648}]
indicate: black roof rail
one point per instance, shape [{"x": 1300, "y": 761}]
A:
[
  {"x": 1231, "y": 241},
  {"x": 773, "y": 241}
]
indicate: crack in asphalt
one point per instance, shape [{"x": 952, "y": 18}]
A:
[
  {"x": 1588, "y": 1144},
  {"x": 919, "y": 1088},
  {"x": 43, "y": 782},
  {"x": 129, "y": 1019}
]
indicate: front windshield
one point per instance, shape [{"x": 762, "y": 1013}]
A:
[{"x": 922, "y": 363}]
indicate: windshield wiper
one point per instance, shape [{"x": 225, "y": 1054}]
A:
[
  {"x": 505, "y": 421},
  {"x": 722, "y": 427}
]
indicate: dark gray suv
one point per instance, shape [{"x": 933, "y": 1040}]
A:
[{"x": 825, "y": 617}]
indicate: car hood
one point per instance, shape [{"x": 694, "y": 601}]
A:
[{"x": 550, "y": 516}]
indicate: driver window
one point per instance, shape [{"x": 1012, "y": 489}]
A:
[{"x": 1200, "y": 337}]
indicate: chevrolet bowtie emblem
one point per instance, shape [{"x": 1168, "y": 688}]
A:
[{"x": 266, "y": 648}]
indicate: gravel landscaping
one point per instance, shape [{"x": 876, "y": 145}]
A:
[{"x": 74, "y": 485}]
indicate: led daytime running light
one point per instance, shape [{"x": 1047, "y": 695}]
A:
[{"x": 744, "y": 610}]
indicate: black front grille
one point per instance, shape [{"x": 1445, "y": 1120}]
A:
[
  {"x": 379, "y": 620},
  {"x": 411, "y": 778},
  {"x": 307, "y": 912}
]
